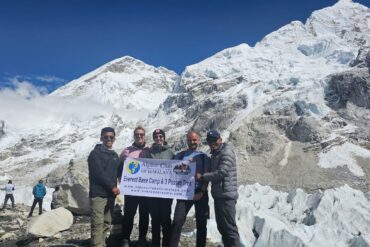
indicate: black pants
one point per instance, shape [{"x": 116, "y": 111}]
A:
[
  {"x": 201, "y": 216},
  {"x": 160, "y": 211},
  {"x": 7, "y": 197},
  {"x": 131, "y": 204},
  {"x": 35, "y": 201},
  {"x": 225, "y": 218}
]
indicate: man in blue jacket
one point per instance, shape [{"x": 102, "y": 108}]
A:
[
  {"x": 200, "y": 200},
  {"x": 39, "y": 192},
  {"x": 103, "y": 165}
]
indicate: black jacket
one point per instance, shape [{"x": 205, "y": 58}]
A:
[{"x": 103, "y": 166}]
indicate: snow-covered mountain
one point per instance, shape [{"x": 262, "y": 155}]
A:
[
  {"x": 120, "y": 93},
  {"x": 296, "y": 107},
  {"x": 123, "y": 83},
  {"x": 271, "y": 102}
]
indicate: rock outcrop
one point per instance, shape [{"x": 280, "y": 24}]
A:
[{"x": 74, "y": 186}]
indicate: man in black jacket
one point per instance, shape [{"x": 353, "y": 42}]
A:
[
  {"x": 103, "y": 166},
  {"x": 224, "y": 187}
]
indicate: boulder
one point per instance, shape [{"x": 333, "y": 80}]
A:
[
  {"x": 8, "y": 236},
  {"x": 73, "y": 181},
  {"x": 305, "y": 129},
  {"x": 50, "y": 223}
]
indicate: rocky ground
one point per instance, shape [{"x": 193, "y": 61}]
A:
[{"x": 13, "y": 231}]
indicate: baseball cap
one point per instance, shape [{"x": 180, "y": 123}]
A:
[{"x": 213, "y": 135}]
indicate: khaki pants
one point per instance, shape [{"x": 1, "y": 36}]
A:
[{"x": 101, "y": 218}]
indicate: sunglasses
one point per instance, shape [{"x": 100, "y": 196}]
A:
[
  {"x": 107, "y": 138},
  {"x": 139, "y": 134},
  {"x": 158, "y": 136},
  {"x": 211, "y": 141}
]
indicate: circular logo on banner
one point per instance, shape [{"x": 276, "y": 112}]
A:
[
  {"x": 133, "y": 167},
  {"x": 182, "y": 169}
]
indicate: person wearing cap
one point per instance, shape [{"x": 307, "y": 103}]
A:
[
  {"x": 9, "y": 189},
  {"x": 138, "y": 149},
  {"x": 224, "y": 187},
  {"x": 103, "y": 165},
  {"x": 160, "y": 209},
  {"x": 200, "y": 200},
  {"x": 39, "y": 192}
]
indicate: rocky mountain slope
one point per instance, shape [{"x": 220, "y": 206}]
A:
[
  {"x": 276, "y": 101},
  {"x": 295, "y": 106}
]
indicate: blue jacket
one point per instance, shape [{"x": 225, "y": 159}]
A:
[
  {"x": 39, "y": 191},
  {"x": 202, "y": 162}
]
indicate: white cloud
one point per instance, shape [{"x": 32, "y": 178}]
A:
[
  {"x": 49, "y": 78},
  {"x": 24, "y": 88},
  {"x": 49, "y": 83},
  {"x": 25, "y": 106}
]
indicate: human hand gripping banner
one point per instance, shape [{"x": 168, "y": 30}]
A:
[{"x": 158, "y": 178}]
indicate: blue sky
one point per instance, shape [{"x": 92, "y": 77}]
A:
[{"x": 50, "y": 42}]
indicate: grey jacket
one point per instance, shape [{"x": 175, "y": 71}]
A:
[
  {"x": 223, "y": 173},
  {"x": 160, "y": 152}
]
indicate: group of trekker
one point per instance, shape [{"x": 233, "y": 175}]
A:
[{"x": 105, "y": 168}]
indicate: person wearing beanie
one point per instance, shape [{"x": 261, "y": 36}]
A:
[
  {"x": 138, "y": 149},
  {"x": 160, "y": 209},
  {"x": 103, "y": 164}
]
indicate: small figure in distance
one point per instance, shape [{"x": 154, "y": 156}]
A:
[
  {"x": 55, "y": 198},
  {"x": 39, "y": 192},
  {"x": 9, "y": 189}
]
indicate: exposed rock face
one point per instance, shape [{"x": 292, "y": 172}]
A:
[
  {"x": 363, "y": 58},
  {"x": 2, "y": 126},
  {"x": 74, "y": 186},
  {"x": 295, "y": 107},
  {"x": 305, "y": 129},
  {"x": 50, "y": 223},
  {"x": 352, "y": 86}
]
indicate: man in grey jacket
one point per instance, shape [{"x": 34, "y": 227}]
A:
[{"x": 224, "y": 187}]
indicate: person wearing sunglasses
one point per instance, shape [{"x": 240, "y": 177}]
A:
[
  {"x": 160, "y": 209},
  {"x": 138, "y": 149},
  {"x": 103, "y": 165},
  {"x": 224, "y": 187}
]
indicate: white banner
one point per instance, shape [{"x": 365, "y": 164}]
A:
[{"x": 158, "y": 178}]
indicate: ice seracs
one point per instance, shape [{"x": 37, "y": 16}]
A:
[{"x": 295, "y": 107}]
